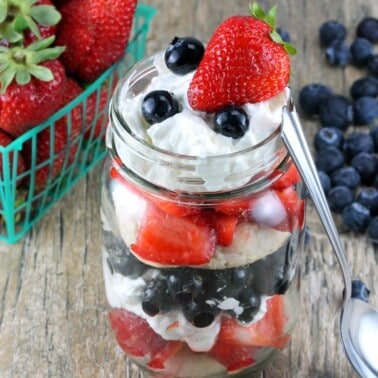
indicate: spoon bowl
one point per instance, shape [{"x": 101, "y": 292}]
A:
[{"x": 358, "y": 320}]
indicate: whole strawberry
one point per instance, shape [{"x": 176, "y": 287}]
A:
[
  {"x": 245, "y": 61},
  {"x": 95, "y": 34},
  {"x": 31, "y": 80},
  {"x": 63, "y": 133},
  {"x": 25, "y": 21}
]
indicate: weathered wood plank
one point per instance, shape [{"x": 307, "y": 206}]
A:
[{"x": 53, "y": 319}]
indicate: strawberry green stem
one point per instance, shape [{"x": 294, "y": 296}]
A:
[
  {"x": 19, "y": 15},
  {"x": 22, "y": 63}
]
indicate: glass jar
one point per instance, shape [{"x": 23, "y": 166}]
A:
[{"x": 200, "y": 254}]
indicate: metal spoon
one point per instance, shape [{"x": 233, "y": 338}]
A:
[{"x": 358, "y": 321}]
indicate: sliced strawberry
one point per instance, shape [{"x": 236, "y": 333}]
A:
[
  {"x": 241, "y": 207},
  {"x": 138, "y": 339},
  {"x": 295, "y": 209},
  {"x": 268, "y": 331},
  {"x": 225, "y": 226},
  {"x": 233, "y": 358},
  {"x": 169, "y": 240},
  {"x": 289, "y": 178}
]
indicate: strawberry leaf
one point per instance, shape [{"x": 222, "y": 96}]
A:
[
  {"x": 257, "y": 11},
  {"x": 23, "y": 77},
  {"x": 45, "y": 15},
  {"x": 3, "y": 10},
  {"x": 41, "y": 73},
  {"x": 271, "y": 17}
]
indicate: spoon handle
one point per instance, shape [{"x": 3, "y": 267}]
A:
[{"x": 294, "y": 140}]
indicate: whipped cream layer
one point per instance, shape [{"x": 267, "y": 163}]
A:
[{"x": 191, "y": 133}]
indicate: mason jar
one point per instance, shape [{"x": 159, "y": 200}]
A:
[{"x": 200, "y": 253}]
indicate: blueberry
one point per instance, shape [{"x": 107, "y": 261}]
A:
[
  {"x": 184, "y": 54},
  {"x": 368, "y": 28},
  {"x": 338, "y": 54},
  {"x": 365, "y": 86},
  {"x": 329, "y": 159},
  {"x": 375, "y": 183},
  {"x": 158, "y": 106},
  {"x": 369, "y": 198},
  {"x": 201, "y": 315},
  {"x": 328, "y": 137},
  {"x": 231, "y": 121},
  {"x": 361, "y": 50},
  {"x": 332, "y": 31},
  {"x": 356, "y": 143},
  {"x": 155, "y": 298},
  {"x": 307, "y": 235},
  {"x": 339, "y": 197},
  {"x": 346, "y": 176},
  {"x": 336, "y": 111},
  {"x": 365, "y": 110},
  {"x": 366, "y": 166},
  {"x": 325, "y": 180},
  {"x": 374, "y": 135},
  {"x": 356, "y": 217},
  {"x": 284, "y": 34},
  {"x": 372, "y": 65},
  {"x": 311, "y": 96},
  {"x": 373, "y": 229},
  {"x": 251, "y": 304},
  {"x": 360, "y": 290}
]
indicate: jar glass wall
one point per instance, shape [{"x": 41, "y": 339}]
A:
[{"x": 200, "y": 254}]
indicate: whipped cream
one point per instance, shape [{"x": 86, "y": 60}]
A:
[{"x": 191, "y": 133}]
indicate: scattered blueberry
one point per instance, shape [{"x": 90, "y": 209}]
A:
[
  {"x": 356, "y": 217},
  {"x": 284, "y": 34},
  {"x": 372, "y": 65},
  {"x": 360, "y": 290},
  {"x": 361, "y": 50},
  {"x": 329, "y": 159},
  {"x": 328, "y": 137},
  {"x": 339, "y": 197},
  {"x": 356, "y": 143},
  {"x": 231, "y": 121},
  {"x": 366, "y": 166},
  {"x": 365, "y": 110},
  {"x": 369, "y": 198},
  {"x": 325, "y": 180},
  {"x": 368, "y": 28},
  {"x": 365, "y": 86},
  {"x": 336, "y": 111},
  {"x": 311, "y": 96},
  {"x": 374, "y": 135},
  {"x": 184, "y": 54},
  {"x": 375, "y": 183},
  {"x": 200, "y": 314},
  {"x": 332, "y": 31},
  {"x": 373, "y": 229},
  {"x": 338, "y": 54},
  {"x": 346, "y": 176},
  {"x": 158, "y": 106}
]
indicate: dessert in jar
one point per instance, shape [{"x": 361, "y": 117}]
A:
[{"x": 202, "y": 208}]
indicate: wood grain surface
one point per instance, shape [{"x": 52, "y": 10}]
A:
[{"x": 53, "y": 320}]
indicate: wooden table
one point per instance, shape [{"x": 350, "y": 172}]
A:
[{"x": 53, "y": 321}]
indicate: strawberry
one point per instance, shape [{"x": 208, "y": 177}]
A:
[
  {"x": 233, "y": 358},
  {"x": 28, "y": 21},
  {"x": 95, "y": 34},
  {"x": 32, "y": 82},
  {"x": 268, "y": 331},
  {"x": 64, "y": 136},
  {"x": 170, "y": 240},
  {"x": 138, "y": 339},
  {"x": 6, "y": 139},
  {"x": 288, "y": 178},
  {"x": 245, "y": 61},
  {"x": 224, "y": 226}
]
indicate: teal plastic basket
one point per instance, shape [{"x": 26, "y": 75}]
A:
[{"x": 22, "y": 204}]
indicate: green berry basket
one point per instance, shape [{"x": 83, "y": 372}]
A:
[{"x": 22, "y": 202}]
